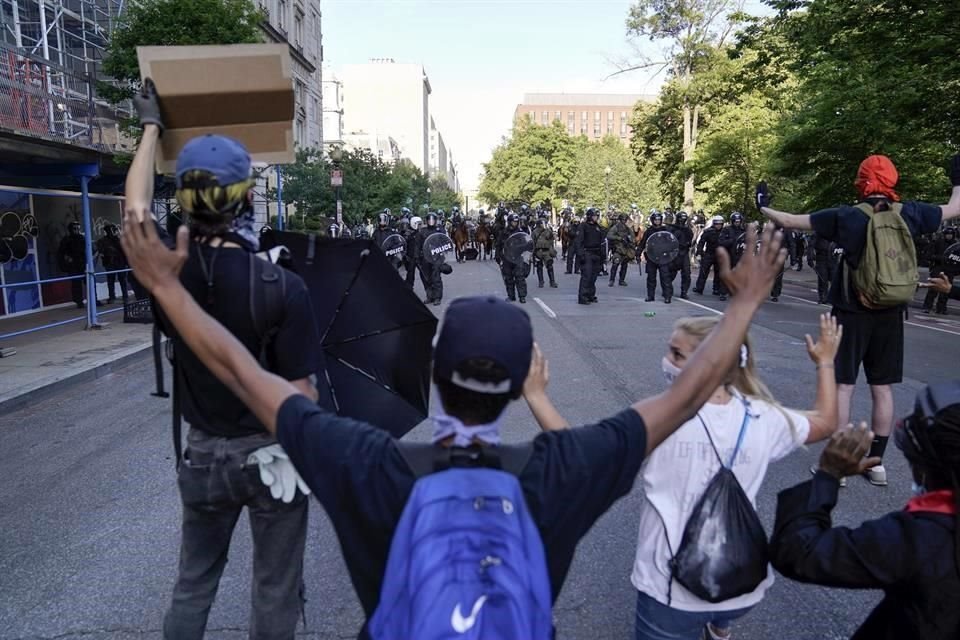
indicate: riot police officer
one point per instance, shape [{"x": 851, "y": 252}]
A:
[
  {"x": 684, "y": 234},
  {"x": 411, "y": 259},
  {"x": 72, "y": 260},
  {"x": 729, "y": 238},
  {"x": 621, "y": 243},
  {"x": 113, "y": 259},
  {"x": 544, "y": 249},
  {"x": 938, "y": 265},
  {"x": 430, "y": 275},
  {"x": 573, "y": 260},
  {"x": 666, "y": 283},
  {"x": 820, "y": 256},
  {"x": 514, "y": 273},
  {"x": 707, "y": 251},
  {"x": 382, "y": 232},
  {"x": 588, "y": 247}
]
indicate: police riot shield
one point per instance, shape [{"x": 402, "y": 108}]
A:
[
  {"x": 436, "y": 247},
  {"x": 518, "y": 248},
  {"x": 951, "y": 260},
  {"x": 662, "y": 247},
  {"x": 394, "y": 246},
  {"x": 741, "y": 246}
]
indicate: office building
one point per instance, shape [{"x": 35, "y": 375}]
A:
[{"x": 594, "y": 115}]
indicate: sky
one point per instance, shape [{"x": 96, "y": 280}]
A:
[{"x": 481, "y": 56}]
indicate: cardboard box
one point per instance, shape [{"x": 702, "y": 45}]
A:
[{"x": 244, "y": 91}]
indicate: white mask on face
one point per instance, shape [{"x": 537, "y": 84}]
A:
[
  {"x": 917, "y": 489},
  {"x": 670, "y": 371}
]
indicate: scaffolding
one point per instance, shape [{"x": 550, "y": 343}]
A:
[{"x": 50, "y": 59}]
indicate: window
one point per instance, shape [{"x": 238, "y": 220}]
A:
[
  {"x": 557, "y": 115},
  {"x": 531, "y": 116},
  {"x": 596, "y": 129},
  {"x": 609, "y": 115},
  {"x": 583, "y": 128},
  {"x": 315, "y": 109},
  {"x": 300, "y": 90},
  {"x": 570, "y": 128},
  {"x": 546, "y": 118},
  {"x": 298, "y": 29},
  {"x": 300, "y": 132},
  {"x": 596, "y": 116},
  {"x": 623, "y": 129},
  {"x": 623, "y": 115},
  {"x": 610, "y": 127},
  {"x": 570, "y": 116},
  {"x": 282, "y": 15}
]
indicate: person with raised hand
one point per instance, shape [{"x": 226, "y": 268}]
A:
[{"x": 364, "y": 478}]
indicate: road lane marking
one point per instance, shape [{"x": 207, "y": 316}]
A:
[
  {"x": 923, "y": 326},
  {"x": 787, "y": 295},
  {"x": 547, "y": 310},
  {"x": 701, "y": 306}
]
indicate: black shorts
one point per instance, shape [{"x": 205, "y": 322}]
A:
[{"x": 874, "y": 339}]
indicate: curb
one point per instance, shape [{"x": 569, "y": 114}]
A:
[{"x": 53, "y": 387}]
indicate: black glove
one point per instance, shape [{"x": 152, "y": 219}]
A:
[
  {"x": 763, "y": 195},
  {"x": 955, "y": 171},
  {"x": 148, "y": 105}
]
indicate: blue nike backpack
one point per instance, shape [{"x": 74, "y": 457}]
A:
[{"x": 466, "y": 560}]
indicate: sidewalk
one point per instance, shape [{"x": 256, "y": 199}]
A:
[{"x": 49, "y": 359}]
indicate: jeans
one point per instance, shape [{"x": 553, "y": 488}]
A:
[
  {"x": 656, "y": 621},
  {"x": 215, "y": 485}
]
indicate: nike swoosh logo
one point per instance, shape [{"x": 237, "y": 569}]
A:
[{"x": 461, "y": 624}]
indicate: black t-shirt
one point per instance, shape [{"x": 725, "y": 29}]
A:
[
  {"x": 358, "y": 474},
  {"x": 847, "y": 227},
  {"x": 207, "y": 403}
]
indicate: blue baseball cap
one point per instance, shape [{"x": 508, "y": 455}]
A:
[
  {"x": 484, "y": 327},
  {"x": 225, "y": 158}
]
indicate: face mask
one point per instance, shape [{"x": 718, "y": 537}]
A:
[
  {"x": 917, "y": 489},
  {"x": 670, "y": 371}
]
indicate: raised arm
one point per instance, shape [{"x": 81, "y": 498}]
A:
[
  {"x": 788, "y": 220},
  {"x": 750, "y": 284},
  {"x": 157, "y": 269},
  {"x": 823, "y": 417},
  {"x": 140, "y": 177},
  {"x": 535, "y": 393}
]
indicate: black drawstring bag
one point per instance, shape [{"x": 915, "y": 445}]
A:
[{"x": 723, "y": 553}]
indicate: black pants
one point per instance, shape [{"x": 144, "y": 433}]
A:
[
  {"x": 432, "y": 281},
  {"x": 682, "y": 265},
  {"x": 706, "y": 264},
  {"x": 666, "y": 282},
  {"x": 549, "y": 264},
  {"x": 515, "y": 278},
  {"x": 76, "y": 288},
  {"x": 825, "y": 269},
  {"x": 411, "y": 267},
  {"x": 573, "y": 261},
  {"x": 622, "y": 267},
  {"x": 112, "y": 279},
  {"x": 592, "y": 262},
  {"x": 777, "y": 286}
]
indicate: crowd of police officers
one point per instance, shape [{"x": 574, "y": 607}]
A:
[{"x": 664, "y": 245}]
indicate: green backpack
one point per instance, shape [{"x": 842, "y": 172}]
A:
[{"x": 887, "y": 274}]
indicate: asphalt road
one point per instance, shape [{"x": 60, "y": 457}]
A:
[{"x": 90, "y": 511}]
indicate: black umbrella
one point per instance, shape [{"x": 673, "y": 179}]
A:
[{"x": 376, "y": 333}]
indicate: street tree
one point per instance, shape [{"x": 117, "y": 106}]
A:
[
  {"x": 625, "y": 184},
  {"x": 172, "y": 22},
  {"x": 691, "y": 33}
]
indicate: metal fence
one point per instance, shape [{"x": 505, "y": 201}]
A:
[{"x": 41, "y": 99}]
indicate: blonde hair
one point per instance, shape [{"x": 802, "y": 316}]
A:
[
  {"x": 744, "y": 379},
  {"x": 211, "y": 205}
]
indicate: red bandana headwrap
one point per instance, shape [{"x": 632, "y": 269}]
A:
[{"x": 877, "y": 176}]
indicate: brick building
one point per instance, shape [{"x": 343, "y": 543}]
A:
[{"x": 593, "y": 115}]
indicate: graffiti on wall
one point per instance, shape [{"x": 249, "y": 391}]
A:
[{"x": 17, "y": 229}]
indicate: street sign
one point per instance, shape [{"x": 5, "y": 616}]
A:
[{"x": 336, "y": 178}]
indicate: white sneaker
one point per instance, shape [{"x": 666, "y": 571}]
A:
[
  {"x": 877, "y": 476},
  {"x": 814, "y": 469}
]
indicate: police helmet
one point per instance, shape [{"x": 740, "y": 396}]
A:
[
  {"x": 74, "y": 227},
  {"x": 384, "y": 218},
  {"x": 405, "y": 211},
  {"x": 682, "y": 217},
  {"x": 716, "y": 220},
  {"x": 455, "y": 210},
  {"x": 622, "y": 217},
  {"x": 387, "y": 211},
  {"x": 736, "y": 218},
  {"x": 433, "y": 218},
  {"x": 513, "y": 219},
  {"x": 656, "y": 218},
  {"x": 592, "y": 212},
  {"x": 415, "y": 222},
  {"x": 950, "y": 231}
]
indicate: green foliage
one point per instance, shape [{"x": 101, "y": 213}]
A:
[
  {"x": 534, "y": 165},
  {"x": 369, "y": 186},
  {"x": 627, "y": 185}
]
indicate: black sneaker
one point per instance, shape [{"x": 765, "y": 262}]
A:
[
  {"x": 582, "y": 301},
  {"x": 436, "y": 302},
  {"x": 723, "y": 298},
  {"x": 511, "y": 299},
  {"x": 684, "y": 296},
  {"x": 610, "y": 284},
  {"x": 594, "y": 299},
  {"x": 553, "y": 285},
  {"x": 774, "y": 299},
  {"x": 523, "y": 300},
  {"x": 623, "y": 283},
  {"x": 540, "y": 285},
  {"x": 927, "y": 310},
  {"x": 648, "y": 299},
  {"x": 667, "y": 300}
]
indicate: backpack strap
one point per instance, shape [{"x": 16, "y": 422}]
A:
[
  {"x": 743, "y": 429},
  {"x": 268, "y": 293},
  {"x": 424, "y": 459}
]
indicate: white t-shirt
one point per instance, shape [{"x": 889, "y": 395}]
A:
[{"x": 677, "y": 473}]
